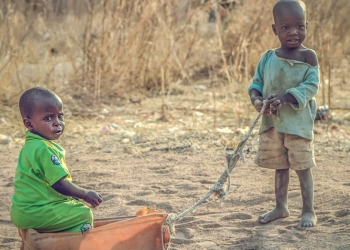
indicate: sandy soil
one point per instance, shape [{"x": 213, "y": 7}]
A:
[{"x": 134, "y": 159}]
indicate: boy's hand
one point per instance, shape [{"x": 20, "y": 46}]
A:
[
  {"x": 276, "y": 101},
  {"x": 67, "y": 188},
  {"x": 93, "y": 198},
  {"x": 258, "y": 102}
]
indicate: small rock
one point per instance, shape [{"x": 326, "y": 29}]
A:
[
  {"x": 185, "y": 233},
  {"x": 115, "y": 126},
  {"x": 129, "y": 150},
  {"x": 46, "y": 36},
  {"x": 100, "y": 117},
  {"x": 200, "y": 87},
  {"x": 126, "y": 140},
  {"x": 3, "y": 121},
  {"x": 4, "y": 139},
  {"x": 104, "y": 111},
  {"x": 128, "y": 134},
  {"x": 173, "y": 129},
  {"x": 224, "y": 130}
]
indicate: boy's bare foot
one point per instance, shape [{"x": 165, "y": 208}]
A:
[
  {"x": 308, "y": 219},
  {"x": 274, "y": 214}
]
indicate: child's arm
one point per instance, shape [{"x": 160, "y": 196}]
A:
[
  {"x": 256, "y": 99},
  {"x": 305, "y": 91},
  {"x": 67, "y": 188},
  {"x": 256, "y": 87}
]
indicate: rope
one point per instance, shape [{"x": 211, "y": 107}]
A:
[{"x": 217, "y": 189}]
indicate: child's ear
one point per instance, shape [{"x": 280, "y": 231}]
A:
[
  {"x": 27, "y": 123},
  {"x": 274, "y": 29}
]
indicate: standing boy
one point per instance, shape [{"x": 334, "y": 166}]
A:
[
  {"x": 287, "y": 79},
  {"x": 44, "y": 196}
]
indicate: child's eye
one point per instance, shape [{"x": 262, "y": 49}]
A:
[
  {"x": 48, "y": 118},
  {"x": 284, "y": 27},
  {"x": 300, "y": 26},
  {"x": 61, "y": 117}
]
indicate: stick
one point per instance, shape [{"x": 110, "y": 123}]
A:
[{"x": 232, "y": 159}]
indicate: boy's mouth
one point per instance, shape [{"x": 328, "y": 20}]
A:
[
  {"x": 57, "y": 132},
  {"x": 293, "y": 41}
]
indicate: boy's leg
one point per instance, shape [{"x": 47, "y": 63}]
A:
[
  {"x": 308, "y": 216},
  {"x": 70, "y": 216},
  {"x": 281, "y": 192}
]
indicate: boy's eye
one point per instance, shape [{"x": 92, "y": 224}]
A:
[
  {"x": 61, "y": 117},
  {"x": 300, "y": 26},
  {"x": 48, "y": 118},
  {"x": 284, "y": 27}
]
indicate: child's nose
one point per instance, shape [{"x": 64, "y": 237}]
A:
[
  {"x": 293, "y": 31},
  {"x": 57, "y": 122}
]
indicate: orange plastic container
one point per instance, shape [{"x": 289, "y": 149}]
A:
[{"x": 122, "y": 233}]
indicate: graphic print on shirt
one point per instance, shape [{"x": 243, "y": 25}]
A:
[{"x": 55, "y": 160}]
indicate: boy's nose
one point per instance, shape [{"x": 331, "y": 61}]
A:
[
  {"x": 293, "y": 31},
  {"x": 57, "y": 122}
]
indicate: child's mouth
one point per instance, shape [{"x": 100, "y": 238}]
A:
[{"x": 293, "y": 41}]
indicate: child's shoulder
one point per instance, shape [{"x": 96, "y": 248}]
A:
[
  {"x": 310, "y": 56},
  {"x": 39, "y": 144},
  {"x": 268, "y": 52},
  {"x": 266, "y": 55}
]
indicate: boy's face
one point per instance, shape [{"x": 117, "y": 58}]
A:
[
  {"x": 290, "y": 27},
  {"x": 47, "y": 119}
]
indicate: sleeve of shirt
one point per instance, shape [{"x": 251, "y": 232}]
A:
[
  {"x": 306, "y": 90},
  {"x": 48, "y": 163},
  {"x": 257, "y": 81}
]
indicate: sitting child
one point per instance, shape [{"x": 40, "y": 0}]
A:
[{"x": 44, "y": 196}]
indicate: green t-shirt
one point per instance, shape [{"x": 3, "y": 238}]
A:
[
  {"x": 41, "y": 163},
  {"x": 275, "y": 75}
]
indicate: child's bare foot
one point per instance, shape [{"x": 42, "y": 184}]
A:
[
  {"x": 274, "y": 214},
  {"x": 308, "y": 219}
]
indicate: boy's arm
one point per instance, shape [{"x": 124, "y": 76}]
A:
[
  {"x": 306, "y": 90},
  {"x": 299, "y": 96},
  {"x": 67, "y": 188},
  {"x": 256, "y": 99},
  {"x": 256, "y": 87}
]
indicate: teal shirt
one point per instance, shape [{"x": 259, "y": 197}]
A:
[
  {"x": 41, "y": 163},
  {"x": 275, "y": 75}
]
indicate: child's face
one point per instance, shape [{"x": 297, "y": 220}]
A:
[
  {"x": 290, "y": 27},
  {"x": 47, "y": 119}
]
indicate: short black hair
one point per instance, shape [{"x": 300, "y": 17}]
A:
[
  {"x": 27, "y": 99},
  {"x": 287, "y": 4}
]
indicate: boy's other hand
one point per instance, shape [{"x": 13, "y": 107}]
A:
[
  {"x": 276, "y": 101},
  {"x": 258, "y": 102},
  {"x": 93, "y": 198}
]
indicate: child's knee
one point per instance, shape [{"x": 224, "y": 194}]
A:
[{"x": 86, "y": 214}]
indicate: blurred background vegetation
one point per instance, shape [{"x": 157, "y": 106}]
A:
[{"x": 102, "y": 51}]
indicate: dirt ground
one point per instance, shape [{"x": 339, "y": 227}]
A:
[{"x": 134, "y": 158}]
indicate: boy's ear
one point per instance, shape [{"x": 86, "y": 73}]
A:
[
  {"x": 27, "y": 123},
  {"x": 274, "y": 29}
]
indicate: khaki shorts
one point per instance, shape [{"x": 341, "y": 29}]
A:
[{"x": 282, "y": 151}]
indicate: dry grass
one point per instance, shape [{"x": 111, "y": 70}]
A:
[{"x": 103, "y": 51}]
